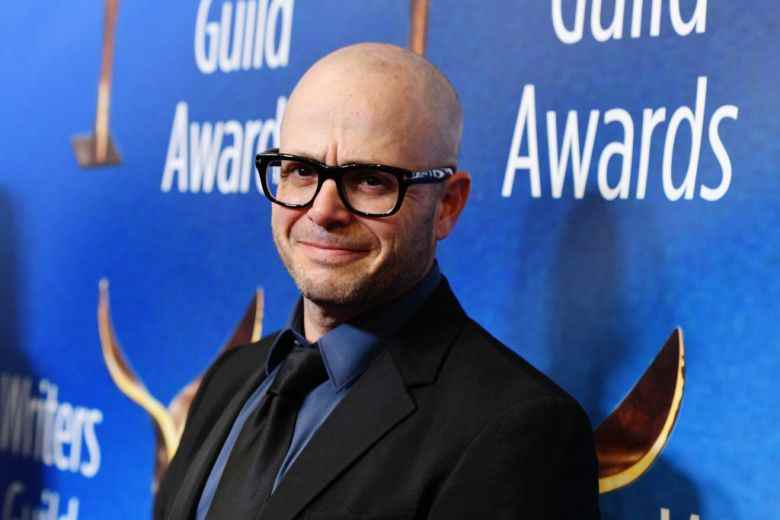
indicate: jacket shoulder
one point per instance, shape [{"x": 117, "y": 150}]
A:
[{"x": 491, "y": 376}]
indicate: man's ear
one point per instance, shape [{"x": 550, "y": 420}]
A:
[{"x": 453, "y": 199}]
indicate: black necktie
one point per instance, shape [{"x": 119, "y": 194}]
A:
[{"x": 261, "y": 446}]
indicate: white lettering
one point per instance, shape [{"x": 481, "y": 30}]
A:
[
  {"x": 251, "y": 134},
  {"x": 51, "y": 503},
  {"x": 665, "y": 515},
  {"x": 205, "y": 60},
  {"x": 16, "y": 395},
  {"x": 42, "y": 428},
  {"x": 713, "y": 194},
  {"x": 260, "y": 30},
  {"x": 176, "y": 159},
  {"x": 580, "y": 158},
  {"x": 636, "y": 18},
  {"x": 15, "y": 508},
  {"x": 278, "y": 54},
  {"x": 90, "y": 467},
  {"x": 13, "y": 491},
  {"x": 566, "y": 35},
  {"x": 268, "y": 132},
  {"x": 650, "y": 119},
  {"x": 526, "y": 117},
  {"x": 204, "y": 153},
  {"x": 579, "y": 155},
  {"x": 221, "y": 152},
  {"x": 248, "y": 33},
  {"x": 615, "y": 27},
  {"x": 229, "y": 167},
  {"x": 230, "y": 59},
  {"x": 696, "y": 122},
  {"x": 698, "y": 21},
  {"x": 50, "y": 408},
  {"x": 622, "y": 148},
  {"x": 62, "y": 435}
]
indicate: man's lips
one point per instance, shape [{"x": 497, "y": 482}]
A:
[
  {"x": 333, "y": 247},
  {"x": 330, "y": 252}
]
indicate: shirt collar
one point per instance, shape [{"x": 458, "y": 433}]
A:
[{"x": 347, "y": 349}]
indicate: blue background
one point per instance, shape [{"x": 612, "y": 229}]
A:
[{"x": 586, "y": 289}]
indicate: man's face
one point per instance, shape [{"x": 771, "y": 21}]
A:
[{"x": 334, "y": 256}]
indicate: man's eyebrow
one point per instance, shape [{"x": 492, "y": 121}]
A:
[
  {"x": 299, "y": 153},
  {"x": 351, "y": 160},
  {"x": 341, "y": 162},
  {"x": 302, "y": 155},
  {"x": 356, "y": 161},
  {"x": 321, "y": 158}
]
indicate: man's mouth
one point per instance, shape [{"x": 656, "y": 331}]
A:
[{"x": 330, "y": 252}]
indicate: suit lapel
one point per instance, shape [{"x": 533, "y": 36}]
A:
[
  {"x": 377, "y": 402},
  {"x": 186, "y": 500}
]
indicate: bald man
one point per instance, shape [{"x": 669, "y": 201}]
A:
[{"x": 380, "y": 398}]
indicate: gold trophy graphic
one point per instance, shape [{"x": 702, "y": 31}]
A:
[
  {"x": 632, "y": 437},
  {"x": 419, "y": 26},
  {"x": 168, "y": 420},
  {"x": 98, "y": 149}
]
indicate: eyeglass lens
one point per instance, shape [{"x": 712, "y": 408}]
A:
[{"x": 367, "y": 190}]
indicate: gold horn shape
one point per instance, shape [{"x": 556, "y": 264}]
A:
[
  {"x": 168, "y": 421},
  {"x": 419, "y": 26},
  {"x": 632, "y": 437},
  {"x": 98, "y": 149}
]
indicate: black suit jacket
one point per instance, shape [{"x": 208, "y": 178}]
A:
[{"x": 445, "y": 423}]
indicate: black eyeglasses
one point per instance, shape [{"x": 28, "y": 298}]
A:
[{"x": 371, "y": 190}]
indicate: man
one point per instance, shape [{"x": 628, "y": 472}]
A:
[{"x": 380, "y": 398}]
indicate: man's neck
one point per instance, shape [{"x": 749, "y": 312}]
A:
[{"x": 319, "y": 318}]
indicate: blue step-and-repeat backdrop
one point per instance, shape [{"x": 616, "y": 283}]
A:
[{"x": 624, "y": 156}]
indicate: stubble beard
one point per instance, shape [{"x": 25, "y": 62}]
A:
[{"x": 359, "y": 286}]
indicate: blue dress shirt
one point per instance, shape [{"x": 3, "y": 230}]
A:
[{"x": 346, "y": 352}]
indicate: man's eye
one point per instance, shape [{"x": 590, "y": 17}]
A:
[
  {"x": 373, "y": 181},
  {"x": 298, "y": 170}
]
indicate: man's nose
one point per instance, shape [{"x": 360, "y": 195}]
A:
[{"x": 328, "y": 210}]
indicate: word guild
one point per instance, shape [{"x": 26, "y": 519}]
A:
[
  {"x": 14, "y": 506},
  {"x": 248, "y": 34},
  {"x": 615, "y": 28}
]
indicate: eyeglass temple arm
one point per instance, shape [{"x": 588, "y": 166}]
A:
[{"x": 429, "y": 176}]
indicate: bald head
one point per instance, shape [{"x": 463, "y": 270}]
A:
[
  {"x": 374, "y": 102},
  {"x": 367, "y": 103}
]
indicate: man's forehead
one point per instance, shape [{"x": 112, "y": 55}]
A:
[
  {"x": 373, "y": 103},
  {"x": 346, "y": 148},
  {"x": 354, "y": 126}
]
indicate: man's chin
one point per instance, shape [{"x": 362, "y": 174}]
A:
[
  {"x": 334, "y": 286},
  {"x": 326, "y": 295}
]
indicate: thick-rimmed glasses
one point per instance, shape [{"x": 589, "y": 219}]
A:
[{"x": 371, "y": 190}]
